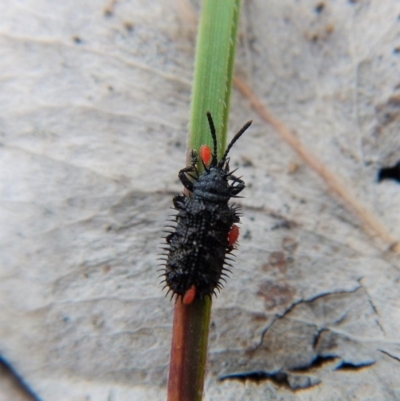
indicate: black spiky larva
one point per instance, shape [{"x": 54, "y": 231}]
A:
[{"x": 205, "y": 232}]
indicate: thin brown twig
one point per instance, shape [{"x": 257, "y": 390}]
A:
[{"x": 370, "y": 222}]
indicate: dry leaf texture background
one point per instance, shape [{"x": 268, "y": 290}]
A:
[{"x": 94, "y": 103}]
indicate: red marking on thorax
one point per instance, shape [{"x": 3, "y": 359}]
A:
[
  {"x": 233, "y": 235},
  {"x": 205, "y": 154},
  {"x": 189, "y": 296}
]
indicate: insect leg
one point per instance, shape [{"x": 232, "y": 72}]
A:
[
  {"x": 237, "y": 185},
  {"x": 192, "y": 168}
]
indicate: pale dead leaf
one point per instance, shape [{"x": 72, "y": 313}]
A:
[{"x": 95, "y": 98}]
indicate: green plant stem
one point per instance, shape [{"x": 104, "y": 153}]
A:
[{"x": 215, "y": 52}]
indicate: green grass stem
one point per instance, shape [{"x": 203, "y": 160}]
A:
[{"x": 215, "y": 53}]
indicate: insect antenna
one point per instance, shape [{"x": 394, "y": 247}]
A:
[
  {"x": 214, "y": 160},
  {"x": 235, "y": 138}
]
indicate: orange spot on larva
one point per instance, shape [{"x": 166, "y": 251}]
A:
[
  {"x": 205, "y": 154},
  {"x": 189, "y": 296},
  {"x": 233, "y": 235}
]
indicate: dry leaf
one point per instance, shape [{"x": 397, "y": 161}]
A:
[{"x": 95, "y": 98}]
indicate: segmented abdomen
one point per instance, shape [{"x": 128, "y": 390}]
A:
[{"x": 198, "y": 246}]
